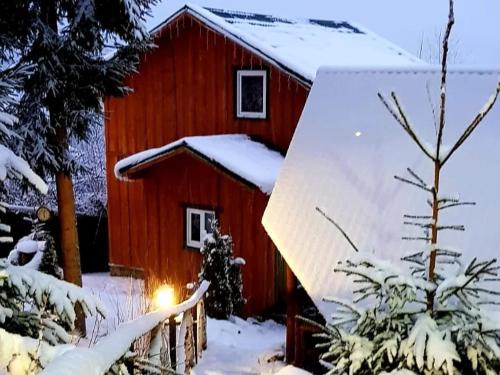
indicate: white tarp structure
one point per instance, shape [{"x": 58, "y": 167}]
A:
[{"x": 343, "y": 158}]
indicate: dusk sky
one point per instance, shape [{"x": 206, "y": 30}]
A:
[{"x": 410, "y": 24}]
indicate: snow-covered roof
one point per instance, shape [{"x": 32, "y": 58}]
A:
[
  {"x": 343, "y": 158},
  {"x": 251, "y": 161},
  {"x": 301, "y": 46}
]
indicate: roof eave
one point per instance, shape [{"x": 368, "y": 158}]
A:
[
  {"x": 133, "y": 172},
  {"x": 186, "y": 9}
]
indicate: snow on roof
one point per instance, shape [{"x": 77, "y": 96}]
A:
[
  {"x": 301, "y": 46},
  {"x": 252, "y": 161},
  {"x": 343, "y": 158}
]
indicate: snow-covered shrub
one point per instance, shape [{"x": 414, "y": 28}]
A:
[
  {"x": 225, "y": 295},
  {"x": 436, "y": 315}
]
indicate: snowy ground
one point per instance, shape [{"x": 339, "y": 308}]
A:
[{"x": 237, "y": 347}]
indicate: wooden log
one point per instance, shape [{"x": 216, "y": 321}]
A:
[
  {"x": 188, "y": 341},
  {"x": 291, "y": 311},
  {"x": 202, "y": 327}
]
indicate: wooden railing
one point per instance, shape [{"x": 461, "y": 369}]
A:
[{"x": 177, "y": 340}]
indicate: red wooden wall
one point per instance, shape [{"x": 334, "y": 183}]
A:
[
  {"x": 185, "y": 87},
  {"x": 186, "y": 180}
]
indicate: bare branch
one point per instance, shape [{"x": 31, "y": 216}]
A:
[
  {"x": 475, "y": 122},
  {"x": 339, "y": 228}
]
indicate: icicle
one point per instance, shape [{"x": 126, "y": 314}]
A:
[
  {"x": 288, "y": 82},
  {"x": 251, "y": 61},
  {"x": 177, "y": 27},
  {"x": 207, "y": 37}
]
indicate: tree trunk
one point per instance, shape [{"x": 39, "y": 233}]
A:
[{"x": 68, "y": 233}]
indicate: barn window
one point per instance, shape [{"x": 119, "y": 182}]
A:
[
  {"x": 251, "y": 94},
  {"x": 198, "y": 224}
]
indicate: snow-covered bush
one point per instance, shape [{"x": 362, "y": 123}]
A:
[
  {"x": 225, "y": 295},
  {"x": 436, "y": 315}
]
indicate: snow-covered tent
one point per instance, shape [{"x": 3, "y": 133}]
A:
[{"x": 343, "y": 158}]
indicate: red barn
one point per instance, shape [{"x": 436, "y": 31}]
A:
[{"x": 204, "y": 133}]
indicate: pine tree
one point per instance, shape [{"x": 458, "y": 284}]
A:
[
  {"x": 224, "y": 297},
  {"x": 436, "y": 316},
  {"x": 65, "y": 43},
  {"x": 34, "y": 308}
]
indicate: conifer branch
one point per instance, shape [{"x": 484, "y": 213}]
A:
[
  {"x": 473, "y": 125},
  {"x": 406, "y": 181},
  {"x": 339, "y": 228},
  {"x": 403, "y": 121},
  {"x": 457, "y": 204}
]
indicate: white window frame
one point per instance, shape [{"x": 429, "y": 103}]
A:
[
  {"x": 251, "y": 73},
  {"x": 189, "y": 211}
]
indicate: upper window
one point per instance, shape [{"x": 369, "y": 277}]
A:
[
  {"x": 199, "y": 224},
  {"x": 251, "y": 93}
]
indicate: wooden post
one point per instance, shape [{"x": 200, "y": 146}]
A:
[
  {"x": 188, "y": 341},
  {"x": 172, "y": 336},
  {"x": 202, "y": 327},
  {"x": 291, "y": 311}
]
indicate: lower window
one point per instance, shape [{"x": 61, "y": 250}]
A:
[{"x": 199, "y": 224}]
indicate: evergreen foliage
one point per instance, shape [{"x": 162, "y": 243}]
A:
[
  {"x": 79, "y": 52},
  {"x": 224, "y": 297},
  {"x": 436, "y": 315}
]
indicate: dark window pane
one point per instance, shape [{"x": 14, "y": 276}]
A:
[
  {"x": 195, "y": 227},
  {"x": 208, "y": 222},
  {"x": 252, "y": 94}
]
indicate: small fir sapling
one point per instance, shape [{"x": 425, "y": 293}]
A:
[
  {"x": 436, "y": 316},
  {"x": 224, "y": 297}
]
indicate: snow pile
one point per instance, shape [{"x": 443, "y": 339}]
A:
[
  {"x": 302, "y": 46},
  {"x": 250, "y": 160}
]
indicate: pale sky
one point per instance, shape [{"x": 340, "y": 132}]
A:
[{"x": 410, "y": 24}]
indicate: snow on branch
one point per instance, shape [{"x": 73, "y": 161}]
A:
[
  {"x": 46, "y": 290},
  {"x": 474, "y": 123},
  {"x": 99, "y": 359},
  {"x": 396, "y": 110}
]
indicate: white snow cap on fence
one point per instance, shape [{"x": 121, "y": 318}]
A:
[
  {"x": 248, "y": 159},
  {"x": 343, "y": 158}
]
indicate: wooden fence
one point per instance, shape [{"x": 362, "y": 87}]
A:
[{"x": 177, "y": 338}]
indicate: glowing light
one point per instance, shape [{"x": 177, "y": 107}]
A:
[
  {"x": 358, "y": 133},
  {"x": 164, "y": 297}
]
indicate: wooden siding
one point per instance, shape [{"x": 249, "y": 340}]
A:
[
  {"x": 185, "y": 87},
  {"x": 186, "y": 181}
]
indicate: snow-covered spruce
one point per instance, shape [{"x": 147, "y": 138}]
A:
[
  {"x": 225, "y": 295},
  {"x": 437, "y": 315}
]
